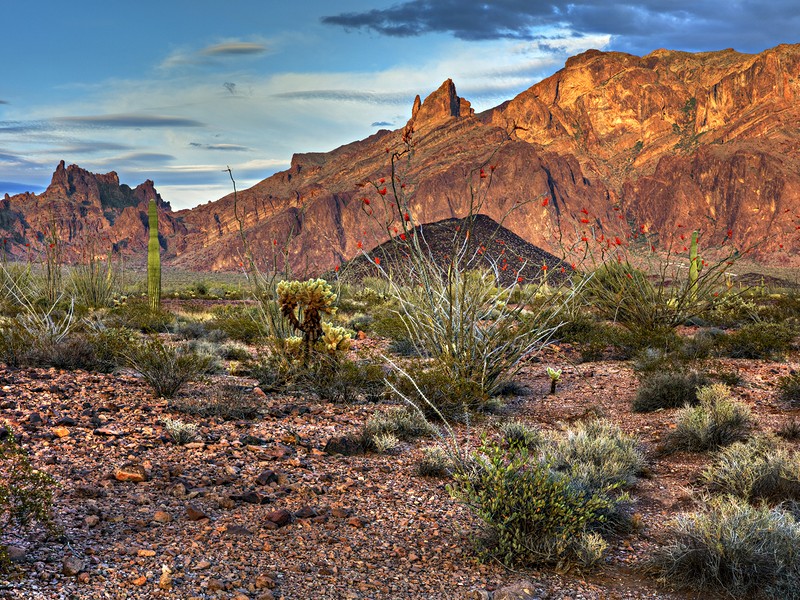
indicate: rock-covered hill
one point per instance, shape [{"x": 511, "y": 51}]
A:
[{"x": 664, "y": 142}]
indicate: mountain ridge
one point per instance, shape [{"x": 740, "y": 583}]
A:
[{"x": 668, "y": 140}]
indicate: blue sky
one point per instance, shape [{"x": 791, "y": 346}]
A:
[{"x": 176, "y": 90}]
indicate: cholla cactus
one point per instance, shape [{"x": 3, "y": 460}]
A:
[
  {"x": 555, "y": 378},
  {"x": 303, "y": 303},
  {"x": 334, "y": 339}
]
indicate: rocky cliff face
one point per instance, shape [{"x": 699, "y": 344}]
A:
[
  {"x": 87, "y": 213},
  {"x": 668, "y": 141}
]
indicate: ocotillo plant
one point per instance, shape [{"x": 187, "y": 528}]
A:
[{"x": 153, "y": 259}]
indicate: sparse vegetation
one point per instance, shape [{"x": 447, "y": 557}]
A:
[
  {"x": 668, "y": 389},
  {"x": 733, "y": 547},
  {"x": 166, "y": 368},
  {"x": 717, "y": 421}
]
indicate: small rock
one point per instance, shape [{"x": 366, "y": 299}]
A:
[
  {"x": 215, "y": 585},
  {"x": 237, "y": 530},
  {"x": 145, "y": 553},
  {"x": 357, "y": 522},
  {"x": 340, "y": 513},
  {"x": 195, "y": 513},
  {"x": 60, "y": 432},
  {"x": 280, "y": 517},
  {"x": 264, "y": 581},
  {"x": 267, "y": 477},
  {"x": 15, "y": 553},
  {"x": 34, "y": 419},
  {"x": 279, "y": 451},
  {"x": 343, "y": 445},
  {"x": 91, "y": 520},
  {"x": 140, "y": 581},
  {"x": 203, "y": 564},
  {"x": 71, "y": 566},
  {"x": 165, "y": 581},
  {"x": 161, "y": 516},
  {"x": 523, "y": 590},
  {"x": 131, "y": 472},
  {"x": 266, "y": 595},
  {"x": 251, "y": 440},
  {"x": 305, "y": 512},
  {"x": 109, "y": 431}
]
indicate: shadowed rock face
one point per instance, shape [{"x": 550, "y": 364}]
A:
[{"x": 706, "y": 140}]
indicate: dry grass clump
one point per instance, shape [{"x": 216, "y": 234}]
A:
[{"x": 716, "y": 422}]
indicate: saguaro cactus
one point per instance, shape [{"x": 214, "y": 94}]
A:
[
  {"x": 153, "y": 259},
  {"x": 694, "y": 266}
]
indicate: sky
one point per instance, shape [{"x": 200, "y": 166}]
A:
[{"x": 178, "y": 90}]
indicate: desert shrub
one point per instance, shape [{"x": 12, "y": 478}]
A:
[
  {"x": 668, "y": 389},
  {"x": 189, "y": 329},
  {"x": 338, "y": 380},
  {"x": 26, "y": 494},
  {"x": 241, "y": 323},
  {"x": 389, "y": 324},
  {"x": 758, "y": 469},
  {"x": 180, "y": 432},
  {"x": 15, "y": 343},
  {"x": 717, "y": 421},
  {"x": 434, "y": 462},
  {"x": 598, "y": 454},
  {"x": 74, "y": 352},
  {"x": 227, "y": 401},
  {"x": 533, "y": 514},
  {"x": 403, "y": 422},
  {"x": 166, "y": 368},
  {"x": 384, "y": 443},
  {"x": 789, "y": 430},
  {"x": 734, "y": 547},
  {"x": 404, "y": 347},
  {"x": 235, "y": 351},
  {"x": 108, "y": 345},
  {"x": 519, "y": 434},
  {"x": 789, "y": 389},
  {"x": 208, "y": 350},
  {"x": 94, "y": 284},
  {"x": 759, "y": 340},
  {"x": 702, "y": 344},
  {"x": 137, "y": 315},
  {"x": 438, "y": 395}
]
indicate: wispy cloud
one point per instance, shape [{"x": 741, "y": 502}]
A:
[
  {"x": 129, "y": 120},
  {"x": 223, "y": 147},
  {"x": 349, "y": 95},
  {"x": 382, "y": 124},
  {"x": 216, "y": 54},
  {"x": 3, "y": 101},
  {"x": 235, "y": 49}
]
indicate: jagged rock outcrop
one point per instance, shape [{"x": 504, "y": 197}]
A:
[
  {"x": 87, "y": 213},
  {"x": 668, "y": 141}
]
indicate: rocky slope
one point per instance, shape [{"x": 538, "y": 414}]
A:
[{"x": 664, "y": 142}]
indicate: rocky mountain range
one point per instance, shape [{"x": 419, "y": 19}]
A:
[{"x": 664, "y": 143}]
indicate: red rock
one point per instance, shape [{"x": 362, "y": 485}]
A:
[
  {"x": 133, "y": 472},
  {"x": 280, "y": 517}
]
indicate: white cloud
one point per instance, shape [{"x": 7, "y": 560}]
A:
[{"x": 270, "y": 116}]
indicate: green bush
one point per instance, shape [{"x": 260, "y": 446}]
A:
[
  {"x": 668, "y": 389},
  {"x": 438, "y": 395},
  {"x": 758, "y": 469},
  {"x": 165, "y": 368},
  {"x": 137, "y": 315},
  {"x": 716, "y": 422},
  {"x": 239, "y": 323},
  {"x": 403, "y": 422},
  {"x": 789, "y": 387},
  {"x": 26, "y": 494},
  {"x": 598, "y": 454},
  {"x": 533, "y": 514},
  {"x": 434, "y": 462},
  {"x": 759, "y": 340},
  {"x": 338, "y": 380},
  {"x": 736, "y": 548},
  {"x": 520, "y": 435}
]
